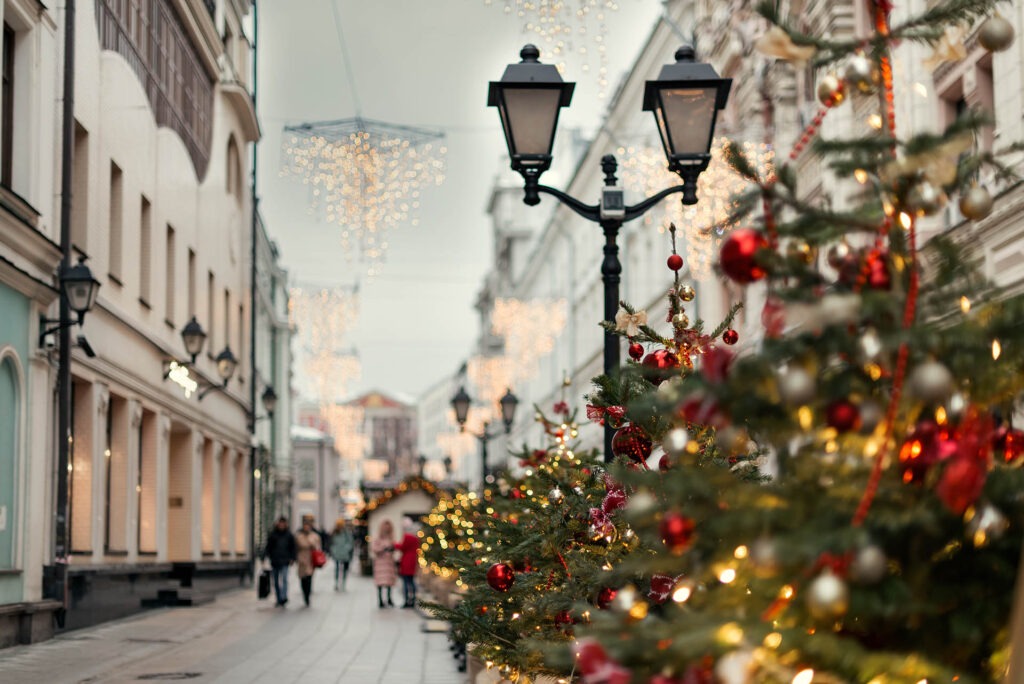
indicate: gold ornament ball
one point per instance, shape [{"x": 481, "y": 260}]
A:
[
  {"x": 828, "y": 597},
  {"x": 687, "y": 293},
  {"x": 675, "y": 442},
  {"x": 869, "y": 565},
  {"x": 931, "y": 382},
  {"x": 996, "y": 34},
  {"x": 800, "y": 251},
  {"x": 681, "y": 320},
  {"x": 831, "y": 89},
  {"x": 796, "y": 386},
  {"x": 862, "y": 73},
  {"x": 976, "y": 203},
  {"x": 924, "y": 199}
]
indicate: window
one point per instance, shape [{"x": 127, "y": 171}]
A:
[
  {"x": 227, "y": 319},
  {"x": 211, "y": 302},
  {"x": 116, "y": 219},
  {"x": 7, "y": 114},
  {"x": 171, "y": 285},
  {"x": 241, "y": 340},
  {"x": 233, "y": 176},
  {"x": 80, "y": 189},
  {"x": 145, "y": 251},
  {"x": 191, "y": 284}
]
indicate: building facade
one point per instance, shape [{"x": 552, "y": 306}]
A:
[
  {"x": 315, "y": 480},
  {"x": 160, "y": 471}
]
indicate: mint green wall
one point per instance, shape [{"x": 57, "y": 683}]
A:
[{"x": 14, "y": 312}]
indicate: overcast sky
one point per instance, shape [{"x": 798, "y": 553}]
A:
[{"x": 421, "y": 63}]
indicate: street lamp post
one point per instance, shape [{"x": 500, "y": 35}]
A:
[
  {"x": 508, "y": 403},
  {"x": 685, "y": 100}
]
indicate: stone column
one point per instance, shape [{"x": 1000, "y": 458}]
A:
[
  {"x": 163, "y": 440},
  {"x": 100, "y": 453},
  {"x": 195, "y": 498},
  {"x": 133, "y": 445},
  {"x": 214, "y": 486},
  {"x": 227, "y": 506}
]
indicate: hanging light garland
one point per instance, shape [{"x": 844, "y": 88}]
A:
[
  {"x": 566, "y": 27},
  {"x": 365, "y": 176},
  {"x": 718, "y": 188},
  {"x": 345, "y": 425},
  {"x": 529, "y": 329}
]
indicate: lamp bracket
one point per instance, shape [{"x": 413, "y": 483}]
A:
[{"x": 55, "y": 325}]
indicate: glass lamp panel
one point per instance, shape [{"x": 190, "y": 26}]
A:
[
  {"x": 686, "y": 119},
  {"x": 529, "y": 116},
  {"x": 80, "y": 295},
  {"x": 226, "y": 363}
]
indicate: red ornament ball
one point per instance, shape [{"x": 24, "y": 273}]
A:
[
  {"x": 677, "y": 531},
  {"x": 730, "y": 336},
  {"x": 843, "y": 415},
  {"x": 563, "y": 617},
  {"x": 658, "y": 363},
  {"x": 605, "y": 597},
  {"x": 500, "y": 577},
  {"x": 631, "y": 441},
  {"x": 636, "y": 351},
  {"x": 675, "y": 262},
  {"x": 738, "y": 257},
  {"x": 516, "y": 494}
]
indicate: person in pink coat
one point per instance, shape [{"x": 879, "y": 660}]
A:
[
  {"x": 383, "y": 550},
  {"x": 410, "y": 548}
]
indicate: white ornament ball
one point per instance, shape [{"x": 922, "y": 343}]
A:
[
  {"x": 986, "y": 523},
  {"x": 871, "y": 414},
  {"x": 735, "y": 668},
  {"x": 925, "y": 199},
  {"x": 831, "y": 89},
  {"x": 796, "y": 386},
  {"x": 976, "y": 203},
  {"x": 869, "y": 344},
  {"x": 931, "y": 382},
  {"x": 641, "y": 502},
  {"x": 996, "y": 34},
  {"x": 764, "y": 557},
  {"x": 828, "y": 597},
  {"x": 838, "y": 254},
  {"x": 675, "y": 442},
  {"x": 869, "y": 565},
  {"x": 556, "y": 496}
]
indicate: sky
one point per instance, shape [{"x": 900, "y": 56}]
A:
[{"x": 419, "y": 63}]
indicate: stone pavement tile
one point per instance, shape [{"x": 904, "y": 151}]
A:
[{"x": 343, "y": 638}]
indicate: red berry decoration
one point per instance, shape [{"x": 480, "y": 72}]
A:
[
  {"x": 658, "y": 363},
  {"x": 636, "y": 351},
  {"x": 563, "y": 618},
  {"x": 516, "y": 494},
  {"x": 677, "y": 531},
  {"x": 631, "y": 441},
  {"x": 675, "y": 262},
  {"x": 738, "y": 257},
  {"x": 730, "y": 336},
  {"x": 1013, "y": 446},
  {"x": 500, "y": 577},
  {"x": 605, "y": 597},
  {"x": 843, "y": 415},
  {"x": 876, "y": 265}
]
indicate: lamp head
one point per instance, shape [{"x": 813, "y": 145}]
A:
[
  {"x": 226, "y": 364},
  {"x": 460, "y": 403},
  {"x": 79, "y": 288},
  {"x": 194, "y": 338}
]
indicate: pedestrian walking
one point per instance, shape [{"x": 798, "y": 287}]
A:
[
  {"x": 343, "y": 543},
  {"x": 306, "y": 541},
  {"x": 281, "y": 550},
  {"x": 410, "y": 548},
  {"x": 383, "y": 548}
]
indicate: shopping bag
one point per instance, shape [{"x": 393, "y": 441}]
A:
[
  {"x": 319, "y": 558},
  {"x": 263, "y": 584}
]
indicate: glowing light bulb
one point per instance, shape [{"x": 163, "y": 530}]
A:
[
  {"x": 997, "y": 350},
  {"x": 804, "y": 677}
]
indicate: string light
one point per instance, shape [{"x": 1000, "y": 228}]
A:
[
  {"x": 529, "y": 329},
  {"x": 965, "y": 304},
  {"x": 718, "y": 188},
  {"x": 365, "y": 176}
]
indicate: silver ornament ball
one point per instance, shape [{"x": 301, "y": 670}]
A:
[
  {"x": 736, "y": 667},
  {"x": 931, "y": 382},
  {"x": 831, "y": 90},
  {"x": 828, "y": 597},
  {"x": 675, "y": 442},
  {"x": 556, "y": 496},
  {"x": 869, "y": 344},
  {"x": 870, "y": 565},
  {"x": 976, "y": 203},
  {"x": 996, "y": 34},
  {"x": 986, "y": 522},
  {"x": 796, "y": 386},
  {"x": 838, "y": 254},
  {"x": 871, "y": 414},
  {"x": 764, "y": 557},
  {"x": 863, "y": 74},
  {"x": 924, "y": 199}
]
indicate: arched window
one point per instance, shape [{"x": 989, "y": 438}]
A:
[
  {"x": 233, "y": 176},
  {"x": 10, "y": 435}
]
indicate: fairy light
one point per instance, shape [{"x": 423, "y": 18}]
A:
[
  {"x": 875, "y": 121},
  {"x": 719, "y": 187},
  {"x": 804, "y": 676},
  {"x": 773, "y": 640},
  {"x": 727, "y": 576},
  {"x": 529, "y": 329},
  {"x": 323, "y": 317},
  {"x": 997, "y": 350},
  {"x": 563, "y": 28},
  {"x": 741, "y": 552},
  {"x": 491, "y": 376},
  {"x": 861, "y": 175},
  {"x": 906, "y": 220},
  {"x": 365, "y": 176},
  {"x": 965, "y": 304}
]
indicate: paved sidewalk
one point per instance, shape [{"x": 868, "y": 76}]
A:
[{"x": 343, "y": 638}]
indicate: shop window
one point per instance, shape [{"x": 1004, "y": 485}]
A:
[{"x": 7, "y": 113}]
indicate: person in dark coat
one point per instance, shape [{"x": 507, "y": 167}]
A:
[
  {"x": 409, "y": 563},
  {"x": 282, "y": 551}
]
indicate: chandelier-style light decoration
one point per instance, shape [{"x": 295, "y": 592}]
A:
[
  {"x": 718, "y": 188},
  {"x": 490, "y": 376},
  {"x": 567, "y": 27},
  {"x": 529, "y": 329},
  {"x": 365, "y": 176},
  {"x": 322, "y": 318},
  {"x": 345, "y": 425}
]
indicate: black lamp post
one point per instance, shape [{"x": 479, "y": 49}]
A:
[
  {"x": 78, "y": 289},
  {"x": 269, "y": 399},
  {"x": 685, "y": 100},
  {"x": 460, "y": 403}
]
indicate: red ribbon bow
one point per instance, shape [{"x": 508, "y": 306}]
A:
[{"x": 614, "y": 414}]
